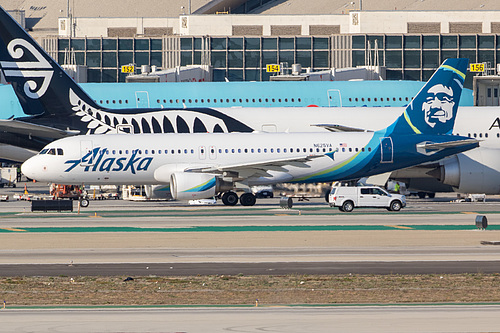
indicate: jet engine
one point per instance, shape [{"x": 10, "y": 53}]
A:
[
  {"x": 475, "y": 171},
  {"x": 192, "y": 185}
]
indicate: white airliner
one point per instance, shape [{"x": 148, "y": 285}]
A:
[{"x": 202, "y": 165}]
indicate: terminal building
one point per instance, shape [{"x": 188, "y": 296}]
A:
[{"x": 240, "y": 38}]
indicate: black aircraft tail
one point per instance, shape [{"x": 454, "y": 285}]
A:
[{"x": 40, "y": 84}]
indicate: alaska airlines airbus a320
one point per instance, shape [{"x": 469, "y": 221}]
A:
[{"x": 202, "y": 165}]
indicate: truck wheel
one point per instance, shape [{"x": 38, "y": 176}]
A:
[
  {"x": 348, "y": 206},
  {"x": 431, "y": 195},
  {"x": 421, "y": 195},
  {"x": 395, "y": 206},
  {"x": 84, "y": 203}
]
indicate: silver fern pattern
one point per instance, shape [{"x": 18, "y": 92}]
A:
[{"x": 168, "y": 121}]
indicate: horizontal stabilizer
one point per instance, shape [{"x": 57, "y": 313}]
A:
[
  {"x": 340, "y": 128},
  {"x": 21, "y": 127},
  {"x": 444, "y": 145}
]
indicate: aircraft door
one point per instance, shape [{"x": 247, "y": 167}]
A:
[
  {"x": 212, "y": 153},
  {"x": 386, "y": 149},
  {"x": 142, "y": 99},
  {"x": 334, "y": 98},
  {"x": 86, "y": 154},
  {"x": 202, "y": 152}
]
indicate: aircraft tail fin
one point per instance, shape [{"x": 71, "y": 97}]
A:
[
  {"x": 433, "y": 110},
  {"x": 40, "y": 84}
]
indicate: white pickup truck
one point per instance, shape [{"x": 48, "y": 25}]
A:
[{"x": 348, "y": 197}]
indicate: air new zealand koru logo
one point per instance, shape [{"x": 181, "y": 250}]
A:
[{"x": 39, "y": 72}]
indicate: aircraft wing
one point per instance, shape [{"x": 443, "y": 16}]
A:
[
  {"x": 340, "y": 128},
  {"x": 246, "y": 170},
  {"x": 443, "y": 145},
  {"x": 21, "y": 127}
]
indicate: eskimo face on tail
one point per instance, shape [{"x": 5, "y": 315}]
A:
[
  {"x": 434, "y": 108},
  {"x": 439, "y": 106}
]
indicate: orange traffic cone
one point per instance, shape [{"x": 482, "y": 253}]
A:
[{"x": 25, "y": 189}]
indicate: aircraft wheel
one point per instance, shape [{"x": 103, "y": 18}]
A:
[
  {"x": 84, "y": 203},
  {"x": 247, "y": 199},
  {"x": 229, "y": 198}
]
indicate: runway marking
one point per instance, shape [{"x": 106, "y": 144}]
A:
[
  {"x": 13, "y": 229},
  {"x": 248, "y": 228}
]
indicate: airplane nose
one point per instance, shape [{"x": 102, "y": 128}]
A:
[{"x": 29, "y": 168}]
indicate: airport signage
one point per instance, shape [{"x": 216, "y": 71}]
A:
[
  {"x": 477, "y": 67},
  {"x": 272, "y": 68},
  {"x": 128, "y": 69}
]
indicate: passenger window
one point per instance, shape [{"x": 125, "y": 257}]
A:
[
  {"x": 272, "y": 150},
  {"x": 185, "y": 151},
  {"x": 166, "y": 151},
  {"x": 343, "y": 150},
  {"x": 369, "y": 149},
  {"x": 365, "y": 191},
  {"x": 239, "y": 150},
  {"x": 350, "y": 149},
  {"x": 265, "y": 150}
]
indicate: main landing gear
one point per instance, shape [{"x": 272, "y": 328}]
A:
[{"x": 231, "y": 199}]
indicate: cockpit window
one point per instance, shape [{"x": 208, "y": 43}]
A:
[
  {"x": 52, "y": 151},
  {"x": 60, "y": 151},
  {"x": 44, "y": 151}
]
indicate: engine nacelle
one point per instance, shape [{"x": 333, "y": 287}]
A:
[
  {"x": 475, "y": 171},
  {"x": 192, "y": 185}
]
